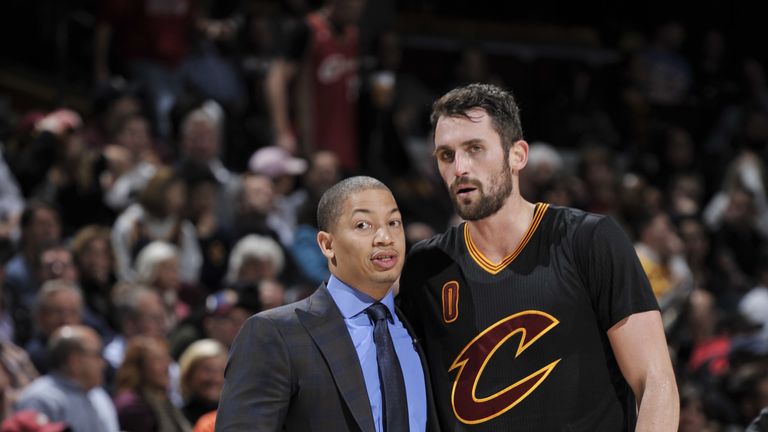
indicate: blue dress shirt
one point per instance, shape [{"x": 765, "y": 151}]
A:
[{"x": 352, "y": 304}]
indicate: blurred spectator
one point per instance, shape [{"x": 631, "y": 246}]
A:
[
  {"x": 213, "y": 234},
  {"x": 277, "y": 164},
  {"x": 754, "y": 306},
  {"x": 698, "y": 251},
  {"x": 59, "y": 303},
  {"x": 16, "y": 372},
  {"x": 143, "y": 383},
  {"x": 131, "y": 161},
  {"x": 59, "y": 168},
  {"x": 58, "y": 262},
  {"x": 669, "y": 74},
  {"x": 660, "y": 251},
  {"x": 201, "y": 138},
  {"x": 545, "y": 164},
  {"x": 760, "y": 423},
  {"x": 56, "y": 137},
  {"x": 11, "y": 201},
  {"x": 153, "y": 40},
  {"x": 112, "y": 100},
  {"x": 741, "y": 125},
  {"x": 710, "y": 343},
  {"x": 157, "y": 266},
  {"x": 322, "y": 54},
  {"x": 693, "y": 413},
  {"x": 738, "y": 213},
  {"x": 256, "y": 213},
  {"x": 72, "y": 391},
  {"x": 597, "y": 167},
  {"x": 202, "y": 377},
  {"x": 6, "y": 318},
  {"x": 92, "y": 249},
  {"x": 308, "y": 256},
  {"x": 224, "y": 314},
  {"x": 140, "y": 312},
  {"x": 158, "y": 215},
  {"x": 271, "y": 293},
  {"x": 751, "y": 391},
  {"x": 324, "y": 171},
  {"x": 39, "y": 227},
  {"x": 284, "y": 171},
  {"x": 253, "y": 259},
  {"x": 395, "y": 104},
  {"x": 686, "y": 194}
]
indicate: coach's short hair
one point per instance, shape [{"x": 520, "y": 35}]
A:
[
  {"x": 497, "y": 102},
  {"x": 332, "y": 202}
]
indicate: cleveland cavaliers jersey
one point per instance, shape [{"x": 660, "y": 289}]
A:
[{"x": 521, "y": 345}]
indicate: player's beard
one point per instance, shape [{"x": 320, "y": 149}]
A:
[{"x": 486, "y": 205}]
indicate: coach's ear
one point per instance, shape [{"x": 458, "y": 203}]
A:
[
  {"x": 325, "y": 241},
  {"x": 518, "y": 155}
]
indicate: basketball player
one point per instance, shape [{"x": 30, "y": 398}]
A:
[{"x": 534, "y": 317}]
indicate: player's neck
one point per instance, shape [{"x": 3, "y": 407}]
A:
[{"x": 499, "y": 235}]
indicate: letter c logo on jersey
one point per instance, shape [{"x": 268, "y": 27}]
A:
[{"x": 471, "y": 409}]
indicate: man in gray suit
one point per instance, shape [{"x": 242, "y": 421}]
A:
[{"x": 340, "y": 360}]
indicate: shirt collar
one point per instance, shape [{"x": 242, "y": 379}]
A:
[
  {"x": 65, "y": 381},
  {"x": 352, "y": 302}
]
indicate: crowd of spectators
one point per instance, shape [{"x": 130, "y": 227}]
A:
[{"x": 138, "y": 235}]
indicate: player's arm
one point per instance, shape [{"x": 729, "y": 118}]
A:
[
  {"x": 280, "y": 74},
  {"x": 293, "y": 45},
  {"x": 257, "y": 386},
  {"x": 640, "y": 348},
  {"x": 628, "y": 312}
]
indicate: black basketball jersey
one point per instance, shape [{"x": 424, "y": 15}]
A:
[{"x": 521, "y": 345}]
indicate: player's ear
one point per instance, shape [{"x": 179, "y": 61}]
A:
[
  {"x": 518, "y": 155},
  {"x": 325, "y": 241}
]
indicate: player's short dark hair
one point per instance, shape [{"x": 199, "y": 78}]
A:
[
  {"x": 497, "y": 102},
  {"x": 332, "y": 202}
]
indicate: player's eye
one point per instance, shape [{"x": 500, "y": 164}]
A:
[
  {"x": 445, "y": 156},
  {"x": 362, "y": 225},
  {"x": 395, "y": 223}
]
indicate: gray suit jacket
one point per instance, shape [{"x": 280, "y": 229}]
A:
[{"x": 294, "y": 368}]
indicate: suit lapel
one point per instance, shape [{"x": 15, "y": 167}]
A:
[{"x": 326, "y": 326}]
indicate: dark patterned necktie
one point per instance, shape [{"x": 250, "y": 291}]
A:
[{"x": 391, "y": 380}]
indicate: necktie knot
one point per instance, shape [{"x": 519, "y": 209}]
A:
[{"x": 377, "y": 312}]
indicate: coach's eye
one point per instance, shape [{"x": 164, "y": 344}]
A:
[{"x": 362, "y": 225}]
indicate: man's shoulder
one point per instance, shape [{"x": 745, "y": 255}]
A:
[
  {"x": 43, "y": 388},
  {"x": 574, "y": 222},
  {"x": 285, "y": 314},
  {"x": 439, "y": 243},
  {"x": 16, "y": 268},
  {"x": 574, "y": 216}
]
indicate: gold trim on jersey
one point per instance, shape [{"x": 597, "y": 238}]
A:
[{"x": 485, "y": 263}]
